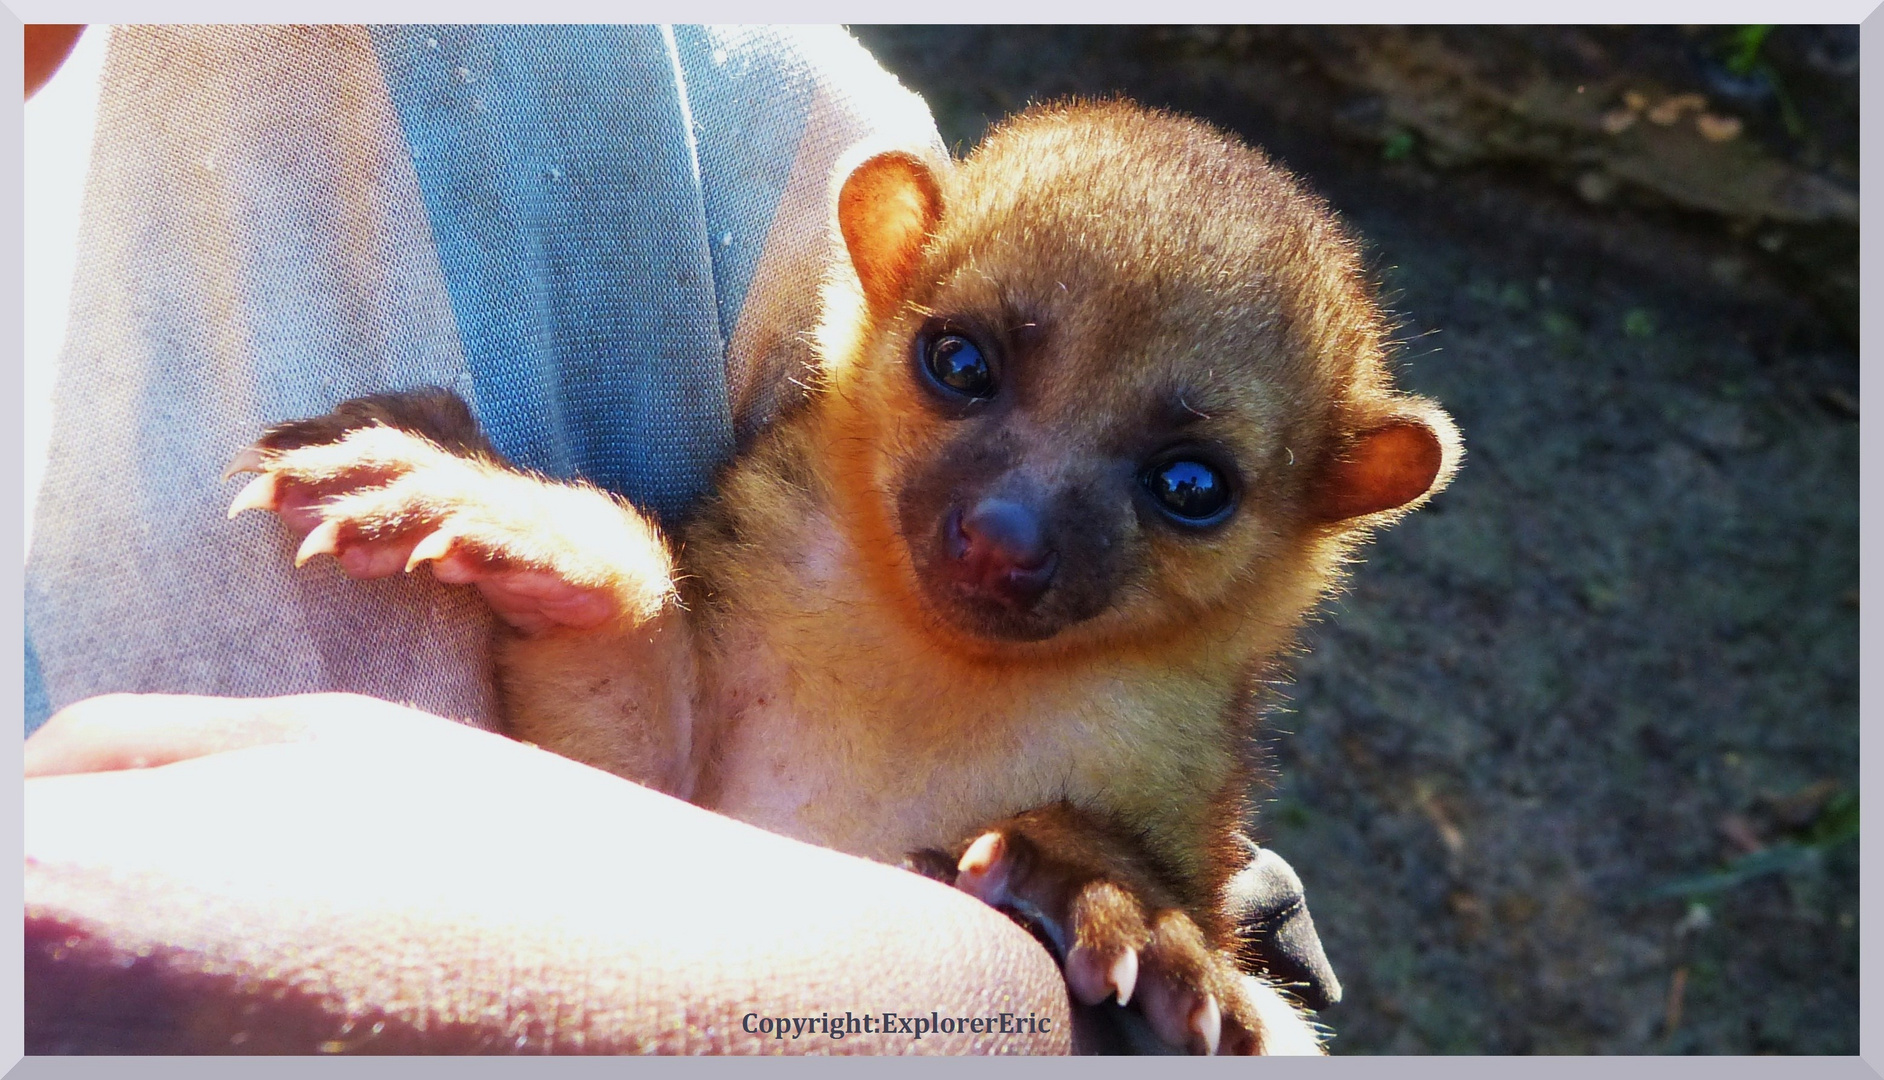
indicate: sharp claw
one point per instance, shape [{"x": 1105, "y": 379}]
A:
[
  {"x": 249, "y": 459},
  {"x": 1124, "y": 975},
  {"x": 980, "y": 871},
  {"x": 435, "y": 546},
  {"x": 982, "y": 854},
  {"x": 1207, "y": 1023},
  {"x": 261, "y": 493},
  {"x": 324, "y": 540}
]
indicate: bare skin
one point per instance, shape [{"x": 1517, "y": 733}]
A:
[{"x": 332, "y": 873}]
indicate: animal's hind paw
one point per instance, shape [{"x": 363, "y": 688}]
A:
[{"x": 1113, "y": 944}]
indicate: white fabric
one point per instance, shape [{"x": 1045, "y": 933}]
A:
[{"x": 256, "y": 245}]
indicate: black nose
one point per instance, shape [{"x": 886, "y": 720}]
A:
[{"x": 1000, "y": 549}]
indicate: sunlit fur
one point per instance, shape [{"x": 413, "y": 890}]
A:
[
  {"x": 1160, "y": 261},
  {"x": 820, "y": 653}
]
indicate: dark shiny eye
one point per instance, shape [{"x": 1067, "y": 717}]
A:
[
  {"x": 956, "y": 363},
  {"x": 1190, "y": 491}
]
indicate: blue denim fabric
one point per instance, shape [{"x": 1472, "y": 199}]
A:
[{"x": 565, "y": 192}]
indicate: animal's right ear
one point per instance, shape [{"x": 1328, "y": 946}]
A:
[{"x": 886, "y": 211}]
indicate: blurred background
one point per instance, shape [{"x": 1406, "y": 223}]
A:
[{"x": 1572, "y": 765}]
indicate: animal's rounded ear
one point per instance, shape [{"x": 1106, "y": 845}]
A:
[
  {"x": 886, "y": 210},
  {"x": 1393, "y": 463}
]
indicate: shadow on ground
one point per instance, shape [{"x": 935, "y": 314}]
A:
[{"x": 1572, "y": 766}]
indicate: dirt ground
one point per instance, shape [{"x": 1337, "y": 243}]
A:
[{"x": 1572, "y": 766}]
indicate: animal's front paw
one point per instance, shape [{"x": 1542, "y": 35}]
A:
[
  {"x": 385, "y": 500},
  {"x": 1113, "y": 944}
]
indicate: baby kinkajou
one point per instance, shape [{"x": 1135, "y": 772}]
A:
[{"x": 1104, "y": 412}]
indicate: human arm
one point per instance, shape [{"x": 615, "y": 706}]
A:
[{"x": 330, "y": 872}]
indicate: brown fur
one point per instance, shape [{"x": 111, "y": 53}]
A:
[
  {"x": 1179, "y": 250},
  {"x": 1141, "y": 282}
]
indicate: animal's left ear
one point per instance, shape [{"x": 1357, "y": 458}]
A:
[
  {"x": 1392, "y": 463},
  {"x": 886, "y": 210}
]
